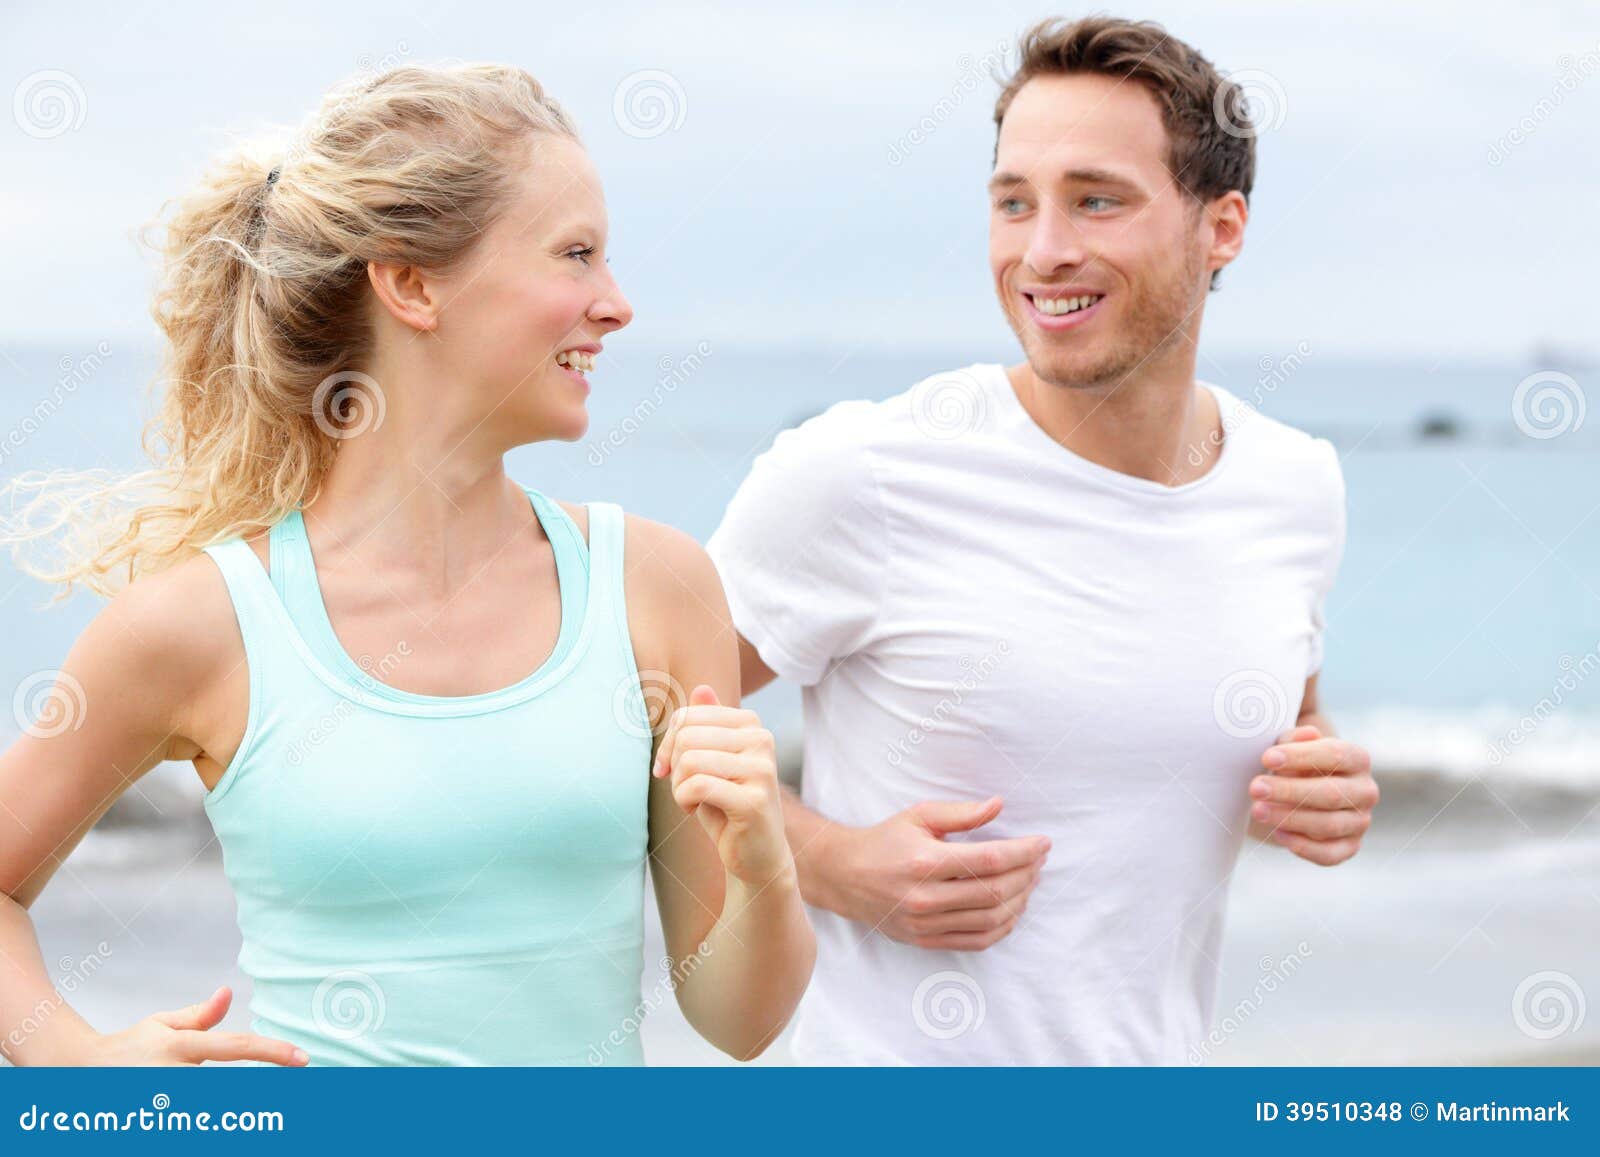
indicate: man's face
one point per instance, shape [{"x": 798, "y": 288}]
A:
[{"x": 1082, "y": 205}]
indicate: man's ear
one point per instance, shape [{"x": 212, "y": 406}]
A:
[
  {"x": 407, "y": 294},
  {"x": 1226, "y": 217}
]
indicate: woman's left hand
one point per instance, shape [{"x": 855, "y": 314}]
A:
[{"x": 724, "y": 771}]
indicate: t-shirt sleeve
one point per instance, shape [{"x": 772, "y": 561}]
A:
[
  {"x": 1333, "y": 489},
  {"x": 802, "y": 549}
]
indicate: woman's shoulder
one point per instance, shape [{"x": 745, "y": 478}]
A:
[
  {"x": 167, "y": 642},
  {"x": 670, "y": 584},
  {"x": 675, "y": 554}
]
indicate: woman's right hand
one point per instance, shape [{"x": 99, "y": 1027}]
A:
[{"x": 182, "y": 1037}]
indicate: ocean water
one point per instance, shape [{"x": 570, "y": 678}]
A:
[{"x": 1462, "y": 649}]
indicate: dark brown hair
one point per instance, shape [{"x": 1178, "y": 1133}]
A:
[{"x": 1211, "y": 144}]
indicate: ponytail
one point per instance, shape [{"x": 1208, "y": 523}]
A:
[{"x": 263, "y": 300}]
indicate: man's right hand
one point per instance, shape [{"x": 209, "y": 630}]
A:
[{"x": 902, "y": 878}]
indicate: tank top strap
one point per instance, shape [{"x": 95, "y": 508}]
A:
[
  {"x": 259, "y": 614},
  {"x": 609, "y": 571},
  {"x": 287, "y": 549}
]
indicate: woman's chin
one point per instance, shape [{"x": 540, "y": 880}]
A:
[{"x": 570, "y": 427}]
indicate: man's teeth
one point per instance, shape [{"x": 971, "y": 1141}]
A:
[
  {"x": 1059, "y": 305},
  {"x": 576, "y": 359}
]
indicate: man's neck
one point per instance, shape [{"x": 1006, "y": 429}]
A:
[{"x": 1159, "y": 426}]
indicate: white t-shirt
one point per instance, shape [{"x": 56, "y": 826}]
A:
[{"x": 974, "y": 610}]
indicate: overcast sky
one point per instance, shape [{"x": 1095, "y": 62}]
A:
[{"x": 784, "y": 200}]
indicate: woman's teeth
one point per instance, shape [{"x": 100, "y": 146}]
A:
[
  {"x": 1060, "y": 305},
  {"x": 576, "y": 359}
]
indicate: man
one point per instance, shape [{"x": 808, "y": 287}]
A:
[{"x": 1058, "y": 625}]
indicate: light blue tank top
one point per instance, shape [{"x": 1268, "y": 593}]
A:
[{"x": 439, "y": 880}]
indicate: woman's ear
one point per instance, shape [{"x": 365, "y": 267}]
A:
[{"x": 406, "y": 293}]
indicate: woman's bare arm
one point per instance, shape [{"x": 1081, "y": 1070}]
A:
[
  {"x": 725, "y": 881},
  {"x": 134, "y": 689}
]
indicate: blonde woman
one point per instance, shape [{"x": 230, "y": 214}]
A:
[{"x": 423, "y": 700}]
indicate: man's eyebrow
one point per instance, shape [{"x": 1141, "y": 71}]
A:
[
  {"x": 1079, "y": 176},
  {"x": 1094, "y": 176}
]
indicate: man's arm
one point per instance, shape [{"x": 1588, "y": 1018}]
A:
[
  {"x": 901, "y": 877},
  {"x": 1317, "y": 794}
]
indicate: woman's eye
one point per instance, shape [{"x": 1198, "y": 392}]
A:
[{"x": 582, "y": 253}]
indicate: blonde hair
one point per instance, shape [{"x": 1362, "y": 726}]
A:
[{"x": 263, "y": 301}]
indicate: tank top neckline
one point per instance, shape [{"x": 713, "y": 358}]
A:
[
  {"x": 291, "y": 550},
  {"x": 577, "y": 568}
]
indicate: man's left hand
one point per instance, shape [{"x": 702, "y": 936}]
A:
[{"x": 1317, "y": 795}]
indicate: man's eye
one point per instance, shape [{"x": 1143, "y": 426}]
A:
[
  {"x": 1011, "y": 205},
  {"x": 1105, "y": 202}
]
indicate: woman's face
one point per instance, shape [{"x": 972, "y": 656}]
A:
[{"x": 528, "y": 308}]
